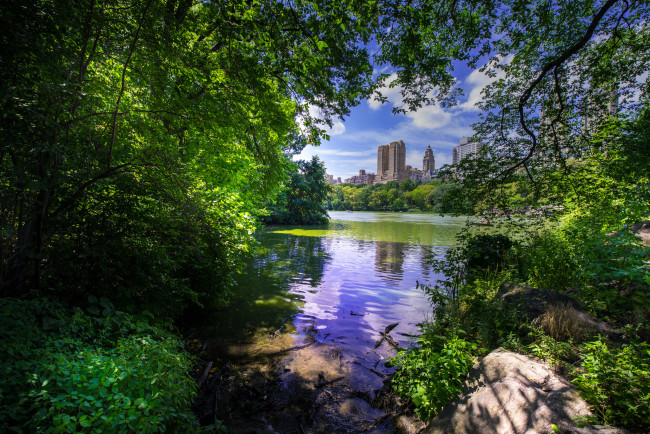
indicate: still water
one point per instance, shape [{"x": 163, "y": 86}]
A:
[{"x": 337, "y": 287}]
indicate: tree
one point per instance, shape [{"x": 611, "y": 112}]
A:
[
  {"x": 303, "y": 200},
  {"x": 556, "y": 67},
  {"x": 142, "y": 137},
  {"x": 407, "y": 185},
  {"x": 119, "y": 116}
]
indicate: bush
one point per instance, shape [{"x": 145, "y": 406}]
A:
[
  {"x": 486, "y": 252},
  {"x": 617, "y": 383},
  {"x": 432, "y": 374},
  {"x": 551, "y": 263},
  {"x": 66, "y": 371}
]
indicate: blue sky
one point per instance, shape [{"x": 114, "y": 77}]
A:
[{"x": 353, "y": 142}]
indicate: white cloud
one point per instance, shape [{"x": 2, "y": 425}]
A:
[
  {"x": 337, "y": 128},
  {"x": 346, "y": 153},
  {"x": 479, "y": 81},
  {"x": 430, "y": 117},
  {"x": 392, "y": 93}
]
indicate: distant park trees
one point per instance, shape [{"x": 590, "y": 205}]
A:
[{"x": 434, "y": 196}]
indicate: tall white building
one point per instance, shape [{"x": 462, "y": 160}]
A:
[{"x": 465, "y": 149}]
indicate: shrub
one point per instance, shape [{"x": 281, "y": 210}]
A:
[
  {"x": 551, "y": 263},
  {"x": 616, "y": 382},
  {"x": 66, "y": 371},
  {"x": 432, "y": 374},
  {"x": 485, "y": 252},
  {"x": 549, "y": 349}
]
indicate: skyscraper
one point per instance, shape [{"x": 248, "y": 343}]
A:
[
  {"x": 391, "y": 162},
  {"x": 465, "y": 149},
  {"x": 428, "y": 163},
  {"x": 382, "y": 159}
]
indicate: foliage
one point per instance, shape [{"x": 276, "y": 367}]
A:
[
  {"x": 564, "y": 123},
  {"x": 485, "y": 252},
  {"x": 472, "y": 302},
  {"x": 302, "y": 201},
  {"x": 431, "y": 375},
  {"x": 616, "y": 381},
  {"x": 67, "y": 371},
  {"x": 552, "y": 262},
  {"x": 142, "y": 139},
  {"x": 549, "y": 349},
  {"x": 433, "y": 196}
]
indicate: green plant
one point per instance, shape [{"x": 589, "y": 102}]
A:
[
  {"x": 66, "y": 371},
  {"x": 432, "y": 374},
  {"x": 616, "y": 382},
  {"x": 548, "y": 349},
  {"x": 486, "y": 252},
  {"x": 551, "y": 262}
]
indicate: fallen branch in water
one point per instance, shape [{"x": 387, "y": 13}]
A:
[
  {"x": 389, "y": 339},
  {"x": 390, "y": 327},
  {"x": 379, "y": 374},
  {"x": 384, "y": 335},
  {"x": 276, "y": 333},
  {"x": 204, "y": 377}
]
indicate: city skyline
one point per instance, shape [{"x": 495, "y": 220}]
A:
[{"x": 354, "y": 141}]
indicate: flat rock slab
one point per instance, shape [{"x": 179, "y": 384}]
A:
[{"x": 510, "y": 393}]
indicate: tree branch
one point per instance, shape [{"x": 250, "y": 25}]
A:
[
  {"x": 575, "y": 48},
  {"x": 123, "y": 86}
]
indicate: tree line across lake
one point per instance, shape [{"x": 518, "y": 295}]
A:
[{"x": 433, "y": 196}]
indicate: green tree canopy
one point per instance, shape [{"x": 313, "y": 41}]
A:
[
  {"x": 302, "y": 202},
  {"x": 140, "y": 138}
]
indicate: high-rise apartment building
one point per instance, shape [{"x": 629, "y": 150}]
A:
[
  {"x": 465, "y": 149},
  {"x": 598, "y": 108},
  {"x": 382, "y": 159},
  {"x": 391, "y": 162},
  {"x": 362, "y": 178}
]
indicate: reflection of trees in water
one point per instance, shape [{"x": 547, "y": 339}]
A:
[
  {"x": 291, "y": 258},
  {"x": 261, "y": 299},
  {"x": 390, "y": 257},
  {"x": 389, "y": 260},
  {"x": 428, "y": 253},
  {"x": 364, "y": 246}
]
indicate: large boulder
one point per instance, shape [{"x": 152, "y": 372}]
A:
[
  {"x": 510, "y": 393},
  {"x": 534, "y": 303}
]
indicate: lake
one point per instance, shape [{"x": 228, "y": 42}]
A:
[{"x": 315, "y": 299}]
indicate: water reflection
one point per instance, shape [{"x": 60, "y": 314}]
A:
[
  {"x": 263, "y": 299},
  {"x": 389, "y": 259},
  {"x": 340, "y": 286}
]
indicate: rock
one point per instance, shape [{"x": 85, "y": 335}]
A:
[
  {"x": 640, "y": 230},
  {"x": 357, "y": 408},
  {"x": 510, "y": 393},
  {"x": 532, "y": 300},
  {"x": 535, "y": 303},
  {"x": 409, "y": 424}
]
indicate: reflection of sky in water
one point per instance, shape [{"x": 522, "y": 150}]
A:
[
  {"x": 346, "y": 282},
  {"x": 364, "y": 290},
  {"x": 369, "y": 278}
]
